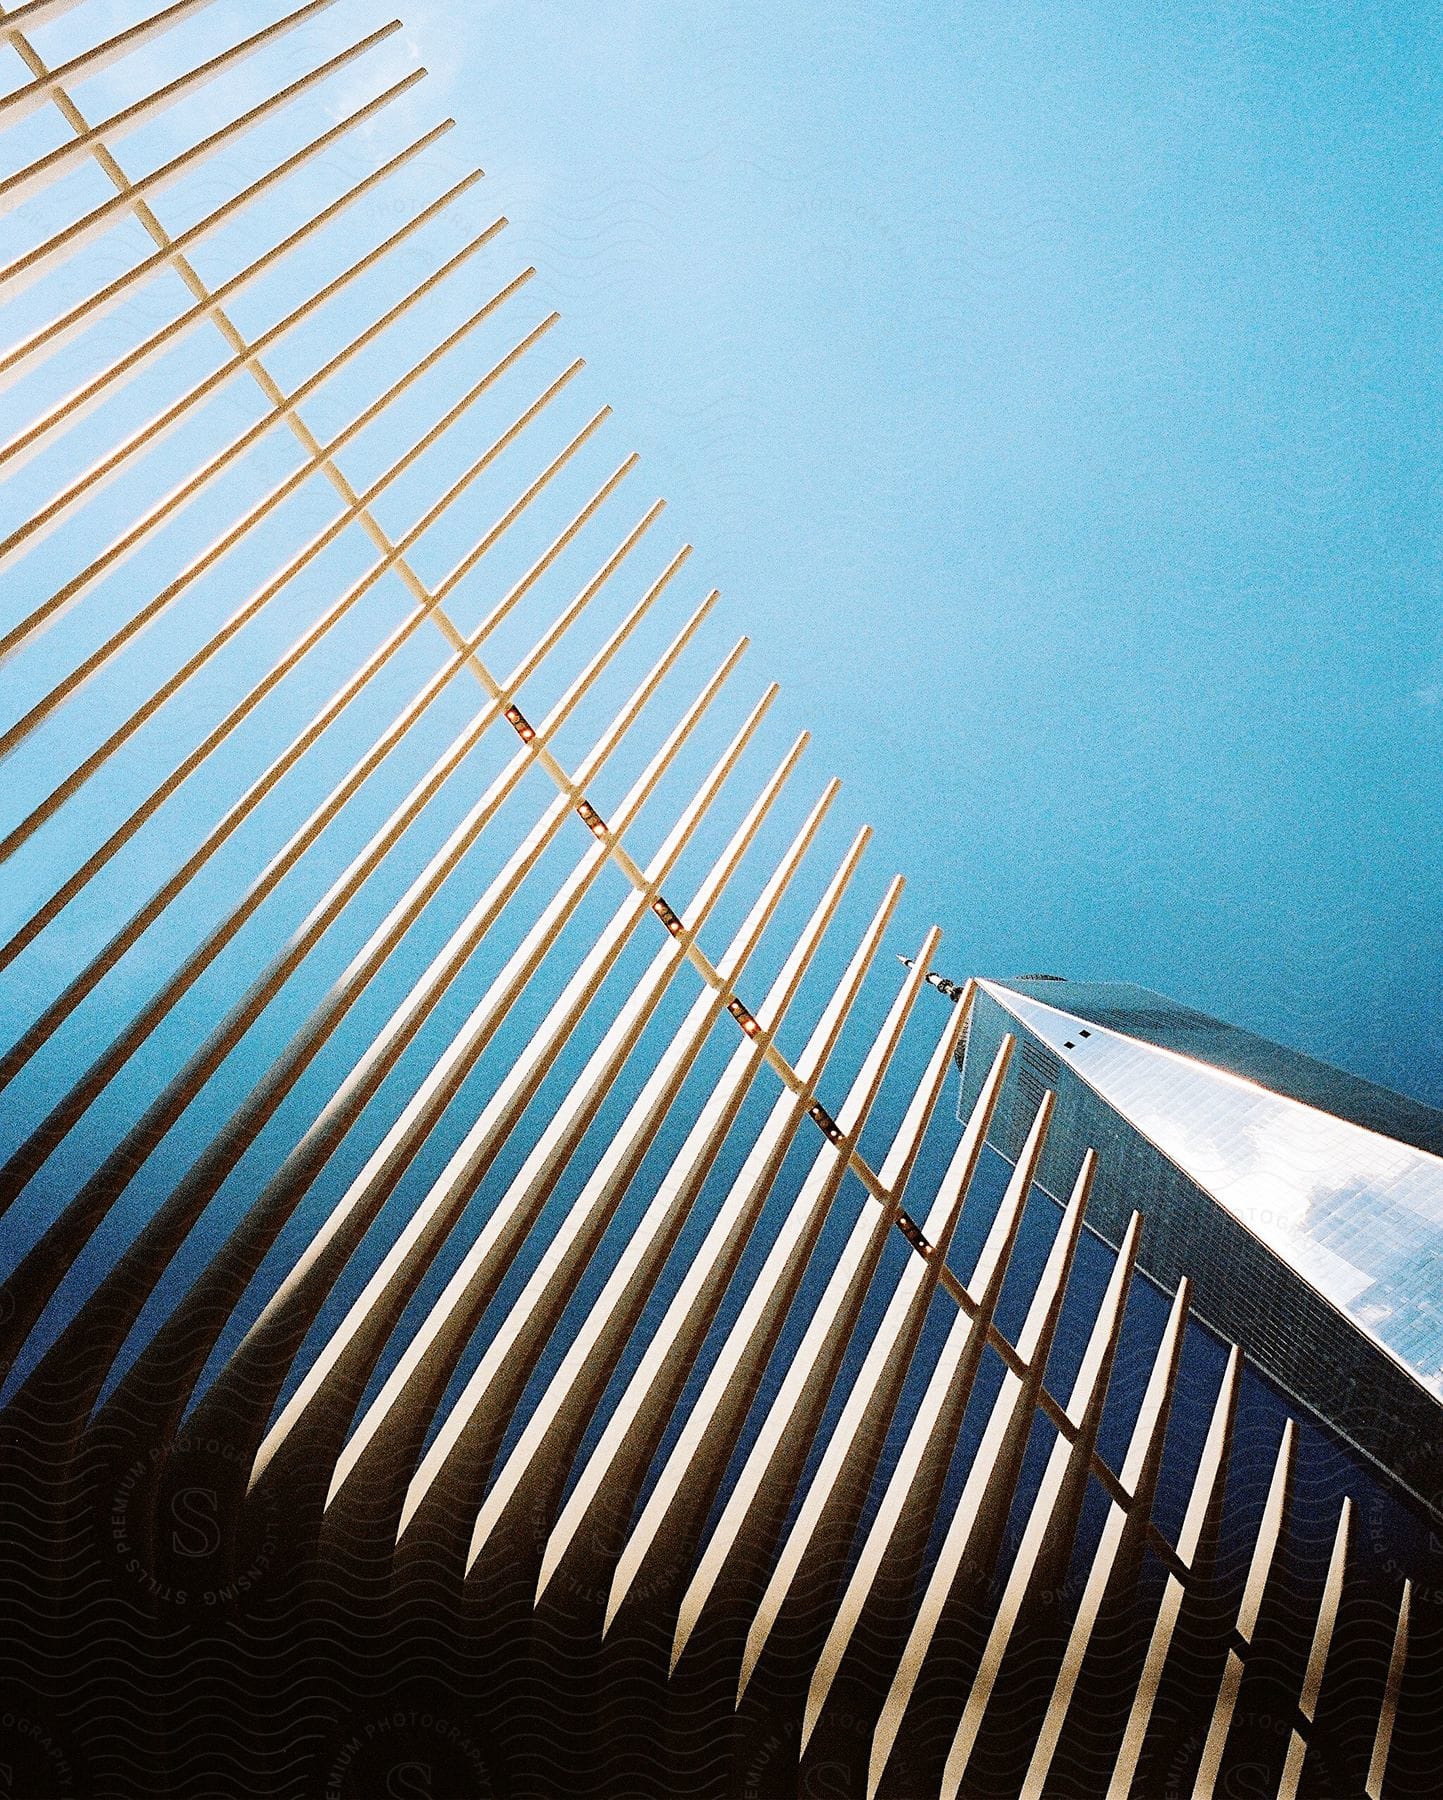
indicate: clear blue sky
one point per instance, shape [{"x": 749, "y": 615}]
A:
[{"x": 1053, "y": 391}]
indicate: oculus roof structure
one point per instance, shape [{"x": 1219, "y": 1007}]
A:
[{"x": 488, "y": 1295}]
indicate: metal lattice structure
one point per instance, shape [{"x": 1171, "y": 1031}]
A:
[{"x": 440, "y": 1116}]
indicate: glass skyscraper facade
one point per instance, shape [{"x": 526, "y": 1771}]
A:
[{"x": 1305, "y": 1205}]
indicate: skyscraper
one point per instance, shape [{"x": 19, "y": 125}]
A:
[{"x": 1304, "y": 1205}]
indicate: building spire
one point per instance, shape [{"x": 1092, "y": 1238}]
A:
[{"x": 951, "y": 989}]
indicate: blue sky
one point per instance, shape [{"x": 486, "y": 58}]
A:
[{"x": 1053, "y": 393}]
